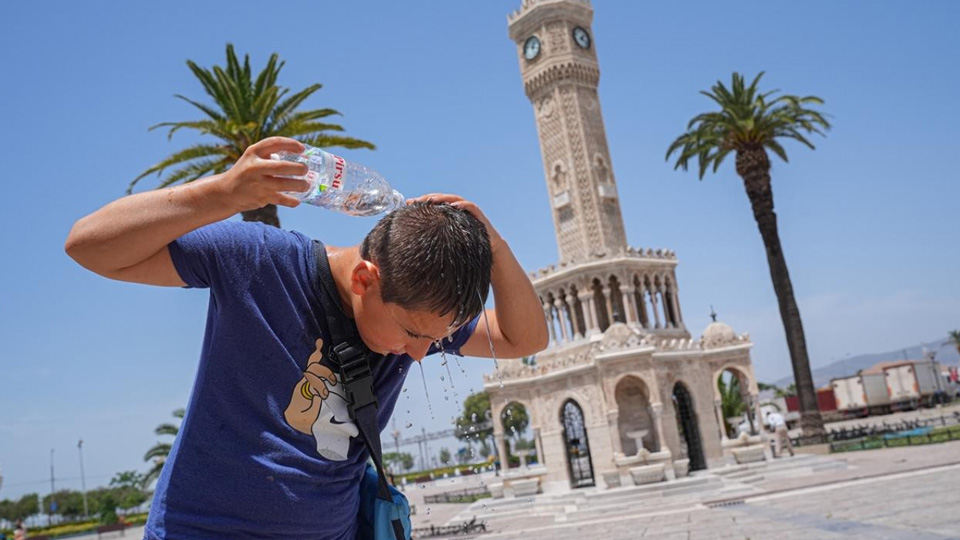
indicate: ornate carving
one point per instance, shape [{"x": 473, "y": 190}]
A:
[
  {"x": 557, "y": 41},
  {"x": 545, "y": 107}
]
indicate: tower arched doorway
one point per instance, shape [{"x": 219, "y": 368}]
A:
[
  {"x": 577, "y": 445},
  {"x": 688, "y": 426}
]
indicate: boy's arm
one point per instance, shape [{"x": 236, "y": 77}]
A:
[
  {"x": 517, "y": 325},
  {"x": 127, "y": 239}
]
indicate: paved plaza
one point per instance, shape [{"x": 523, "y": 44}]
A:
[
  {"x": 914, "y": 506},
  {"x": 897, "y": 494}
]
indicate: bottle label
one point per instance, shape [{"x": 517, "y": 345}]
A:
[
  {"x": 320, "y": 160},
  {"x": 338, "y": 166}
]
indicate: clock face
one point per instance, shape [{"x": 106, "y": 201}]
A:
[
  {"x": 581, "y": 37},
  {"x": 531, "y": 48}
]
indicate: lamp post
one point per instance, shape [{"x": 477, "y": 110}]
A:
[
  {"x": 53, "y": 489},
  {"x": 83, "y": 481}
]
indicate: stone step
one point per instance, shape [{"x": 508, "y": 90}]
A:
[
  {"x": 701, "y": 482},
  {"x": 621, "y": 510}
]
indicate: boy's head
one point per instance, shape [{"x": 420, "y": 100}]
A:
[{"x": 426, "y": 272}]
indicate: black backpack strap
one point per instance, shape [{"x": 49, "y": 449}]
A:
[{"x": 348, "y": 352}]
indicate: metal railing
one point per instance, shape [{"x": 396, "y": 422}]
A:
[{"x": 460, "y": 496}]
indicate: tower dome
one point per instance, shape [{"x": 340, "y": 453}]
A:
[{"x": 717, "y": 334}]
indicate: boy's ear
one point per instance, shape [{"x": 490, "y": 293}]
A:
[{"x": 365, "y": 276}]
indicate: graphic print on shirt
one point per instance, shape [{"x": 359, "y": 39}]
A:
[{"x": 318, "y": 407}]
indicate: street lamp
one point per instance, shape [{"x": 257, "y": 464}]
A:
[
  {"x": 53, "y": 489},
  {"x": 83, "y": 481}
]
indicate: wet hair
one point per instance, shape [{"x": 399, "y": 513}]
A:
[{"x": 434, "y": 258}]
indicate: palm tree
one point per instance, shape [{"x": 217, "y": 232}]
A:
[
  {"x": 731, "y": 402},
  {"x": 955, "y": 339},
  {"x": 160, "y": 451},
  {"x": 246, "y": 110},
  {"x": 749, "y": 123}
]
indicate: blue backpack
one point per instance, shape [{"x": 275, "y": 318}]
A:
[{"x": 381, "y": 519}]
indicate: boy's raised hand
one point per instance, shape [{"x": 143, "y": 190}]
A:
[
  {"x": 459, "y": 202},
  {"x": 255, "y": 180}
]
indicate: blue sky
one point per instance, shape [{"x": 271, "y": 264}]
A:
[{"x": 867, "y": 220}]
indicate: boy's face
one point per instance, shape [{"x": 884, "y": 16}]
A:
[{"x": 388, "y": 328}]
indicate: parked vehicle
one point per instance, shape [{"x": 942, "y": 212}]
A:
[
  {"x": 851, "y": 396},
  {"x": 912, "y": 384}
]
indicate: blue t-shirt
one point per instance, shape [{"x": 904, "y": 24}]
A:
[{"x": 267, "y": 448}]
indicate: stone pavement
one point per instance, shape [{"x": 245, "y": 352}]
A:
[
  {"x": 907, "y": 506},
  {"x": 892, "y": 494}
]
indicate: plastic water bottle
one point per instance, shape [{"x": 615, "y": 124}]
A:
[{"x": 338, "y": 184}]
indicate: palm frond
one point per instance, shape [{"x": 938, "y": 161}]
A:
[
  {"x": 167, "y": 429},
  {"x": 196, "y": 151},
  {"x": 291, "y": 103},
  {"x": 214, "y": 115},
  {"x": 325, "y": 141},
  {"x": 195, "y": 171},
  {"x": 307, "y": 128},
  {"x": 160, "y": 450},
  {"x": 219, "y": 129}
]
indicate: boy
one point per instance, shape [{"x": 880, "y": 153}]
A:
[{"x": 267, "y": 448}]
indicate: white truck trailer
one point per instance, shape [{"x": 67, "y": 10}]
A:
[
  {"x": 912, "y": 384},
  {"x": 878, "y": 395},
  {"x": 861, "y": 394},
  {"x": 850, "y": 396}
]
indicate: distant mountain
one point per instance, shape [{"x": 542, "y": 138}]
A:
[{"x": 947, "y": 355}]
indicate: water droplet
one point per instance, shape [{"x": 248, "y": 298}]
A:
[
  {"x": 428, "y": 510},
  {"x": 442, "y": 378},
  {"x": 425, "y": 391},
  {"x": 409, "y": 425},
  {"x": 493, "y": 353},
  {"x": 473, "y": 417},
  {"x": 404, "y": 389}
]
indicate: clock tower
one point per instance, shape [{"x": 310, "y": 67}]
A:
[{"x": 558, "y": 61}]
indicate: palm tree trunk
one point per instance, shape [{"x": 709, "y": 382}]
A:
[
  {"x": 753, "y": 166},
  {"x": 267, "y": 214}
]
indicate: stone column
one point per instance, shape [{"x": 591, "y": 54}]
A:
[
  {"x": 572, "y": 308},
  {"x": 665, "y": 298},
  {"x": 541, "y": 459},
  {"x": 548, "y": 314},
  {"x": 562, "y": 315},
  {"x": 757, "y": 414},
  {"x": 653, "y": 304},
  {"x": 676, "y": 304},
  {"x": 629, "y": 305},
  {"x": 643, "y": 307},
  {"x": 718, "y": 406},
  {"x": 587, "y": 300},
  {"x": 656, "y": 409},
  {"x": 502, "y": 451},
  {"x": 606, "y": 296}
]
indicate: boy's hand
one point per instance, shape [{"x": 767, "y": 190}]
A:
[
  {"x": 255, "y": 180},
  {"x": 459, "y": 202}
]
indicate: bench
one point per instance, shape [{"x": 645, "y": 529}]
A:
[{"x": 111, "y": 528}]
